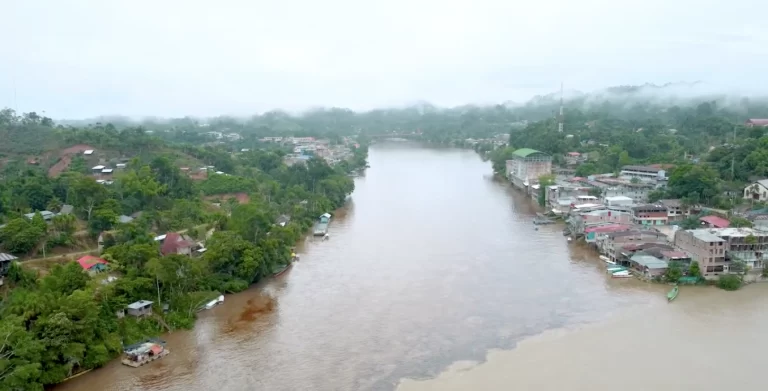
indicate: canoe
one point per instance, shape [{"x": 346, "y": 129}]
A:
[{"x": 673, "y": 293}]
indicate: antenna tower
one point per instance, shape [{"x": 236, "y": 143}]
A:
[{"x": 560, "y": 118}]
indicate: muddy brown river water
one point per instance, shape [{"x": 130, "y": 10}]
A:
[{"x": 434, "y": 263}]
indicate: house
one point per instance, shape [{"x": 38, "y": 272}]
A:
[
  {"x": 706, "y": 248},
  {"x": 140, "y": 308},
  {"x": 650, "y": 215},
  {"x": 88, "y": 152},
  {"x": 757, "y": 191},
  {"x": 677, "y": 258},
  {"x": 120, "y": 166},
  {"x": 714, "y": 222},
  {"x": 580, "y": 222},
  {"x": 613, "y": 245},
  {"x": 756, "y": 122},
  {"x": 744, "y": 244},
  {"x": 675, "y": 210},
  {"x": 527, "y": 165},
  {"x": 5, "y": 263},
  {"x": 173, "y": 243},
  {"x": 648, "y": 265},
  {"x": 107, "y": 171},
  {"x": 97, "y": 168},
  {"x": 92, "y": 264}
]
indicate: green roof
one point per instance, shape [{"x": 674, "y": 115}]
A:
[{"x": 525, "y": 152}]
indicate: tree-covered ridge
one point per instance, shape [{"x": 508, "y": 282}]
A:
[{"x": 55, "y": 325}]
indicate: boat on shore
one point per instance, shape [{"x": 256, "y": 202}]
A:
[
  {"x": 321, "y": 227},
  {"x": 621, "y": 274},
  {"x": 607, "y": 260},
  {"x": 145, "y": 352},
  {"x": 212, "y": 303},
  {"x": 278, "y": 271},
  {"x": 672, "y": 295},
  {"x": 614, "y": 269}
]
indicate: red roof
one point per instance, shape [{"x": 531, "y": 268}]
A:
[
  {"x": 172, "y": 243},
  {"x": 574, "y": 154},
  {"x": 89, "y": 261},
  {"x": 716, "y": 221},
  {"x": 758, "y": 121}
]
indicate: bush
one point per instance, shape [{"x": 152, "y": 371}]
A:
[{"x": 729, "y": 282}]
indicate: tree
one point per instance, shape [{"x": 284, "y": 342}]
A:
[
  {"x": 87, "y": 194},
  {"x": 673, "y": 274},
  {"x": 694, "y": 182},
  {"x": 544, "y": 182},
  {"x": 694, "y": 270},
  {"x": 21, "y": 235},
  {"x": 729, "y": 282},
  {"x": 499, "y": 159}
]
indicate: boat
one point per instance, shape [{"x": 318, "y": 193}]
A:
[
  {"x": 281, "y": 269},
  {"x": 212, "y": 303},
  {"x": 673, "y": 293},
  {"x": 607, "y": 260},
  {"x": 614, "y": 269},
  {"x": 621, "y": 274},
  {"x": 321, "y": 228},
  {"x": 142, "y": 353},
  {"x": 569, "y": 239}
]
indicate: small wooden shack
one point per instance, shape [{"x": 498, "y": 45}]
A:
[{"x": 140, "y": 308}]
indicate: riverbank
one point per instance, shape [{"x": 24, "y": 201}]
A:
[{"x": 683, "y": 345}]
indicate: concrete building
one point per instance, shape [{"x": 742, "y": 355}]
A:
[
  {"x": 140, "y": 308},
  {"x": 527, "y": 165},
  {"x": 675, "y": 210},
  {"x": 654, "y": 173},
  {"x": 744, "y": 244},
  {"x": 650, "y": 215},
  {"x": 618, "y": 201},
  {"x": 706, "y": 248}
]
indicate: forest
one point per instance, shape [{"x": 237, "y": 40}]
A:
[{"x": 59, "y": 322}]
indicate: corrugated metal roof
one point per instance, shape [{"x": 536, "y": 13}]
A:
[
  {"x": 649, "y": 261},
  {"x": 7, "y": 257}
]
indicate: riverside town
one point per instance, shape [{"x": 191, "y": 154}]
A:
[{"x": 196, "y": 253}]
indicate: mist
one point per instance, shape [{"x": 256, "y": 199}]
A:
[{"x": 88, "y": 58}]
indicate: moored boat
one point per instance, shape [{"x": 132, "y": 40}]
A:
[
  {"x": 621, "y": 274},
  {"x": 141, "y": 353},
  {"x": 671, "y": 295},
  {"x": 281, "y": 269},
  {"x": 614, "y": 269},
  {"x": 607, "y": 260}
]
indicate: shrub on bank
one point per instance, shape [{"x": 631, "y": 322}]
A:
[{"x": 729, "y": 282}]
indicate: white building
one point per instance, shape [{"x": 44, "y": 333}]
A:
[
  {"x": 644, "y": 172},
  {"x": 757, "y": 191}
]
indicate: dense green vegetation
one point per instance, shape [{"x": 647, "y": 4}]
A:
[{"x": 66, "y": 321}]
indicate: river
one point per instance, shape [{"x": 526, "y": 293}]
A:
[{"x": 431, "y": 263}]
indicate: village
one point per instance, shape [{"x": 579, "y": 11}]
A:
[{"x": 612, "y": 213}]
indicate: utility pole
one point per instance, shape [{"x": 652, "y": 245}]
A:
[{"x": 560, "y": 118}]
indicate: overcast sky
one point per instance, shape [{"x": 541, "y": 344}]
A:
[{"x": 82, "y": 58}]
